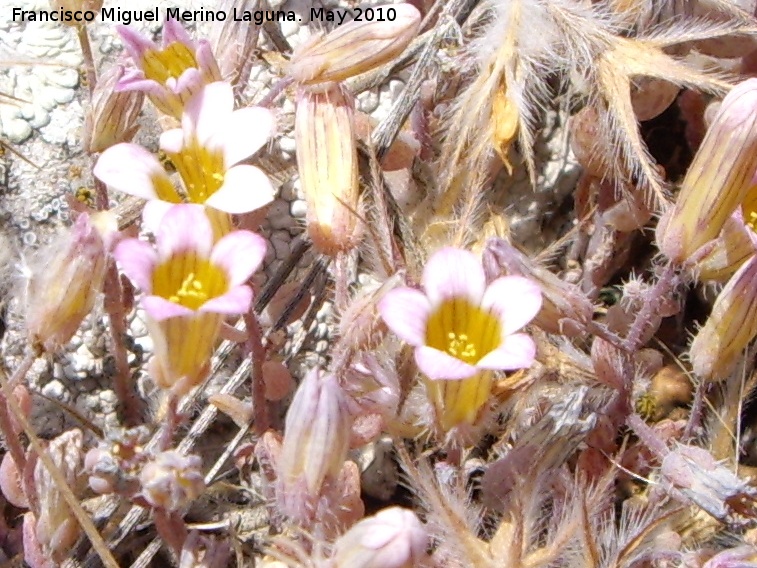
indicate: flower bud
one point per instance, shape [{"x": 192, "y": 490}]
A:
[
  {"x": 393, "y": 538},
  {"x": 718, "y": 179},
  {"x": 316, "y": 440},
  {"x": 172, "y": 481},
  {"x": 112, "y": 116},
  {"x": 733, "y": 247},
  {"x": 324, "y": 132},
  {"x": 56, "y": 529},
  {"x": 232, "y": 42},
  {"x": 63, "y": 287},
  {"x": 730, "y": 327},
  {"x": 356, "y": 47}
]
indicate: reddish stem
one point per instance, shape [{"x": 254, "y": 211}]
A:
[
  {"x": 257, "y": 356},
  {"x": 122, "y": 384}
]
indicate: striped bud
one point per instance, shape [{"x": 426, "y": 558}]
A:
[
  {"x": 112, "y": 116},
  {"x": 356, "y": 47},
  {"x": 324, "y": 132},
  {"x": 719, "y": 177},
  {"x": 63, "y": 287},
  {"x": 730, "y": 327},
  {"x": 316, "y": 440}
]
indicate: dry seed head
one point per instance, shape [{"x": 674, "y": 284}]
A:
[
  {"x": 112, "y": 117},
  {"x": 356, "y": 47},
  {"x": 172, "y": 480},
  {"x": 324, "y": 132}
]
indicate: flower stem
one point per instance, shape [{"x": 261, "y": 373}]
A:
[
  {"x": 122, "y": 384},
  {"x": 653, "y": 300},
  {"x": 89, "y": 60},
  {"x": 10, "y": 431},
  {"x": 277, "y": 88},
  {"x": 648, "y": 437},
  {"x": 257, "y": 357}
]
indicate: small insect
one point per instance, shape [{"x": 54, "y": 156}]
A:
[
  {"x": 83, "y": 79},
  {"x": 85, "y": 195}
]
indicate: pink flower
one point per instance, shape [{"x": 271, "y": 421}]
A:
[
  {"x": 170, "y": 75},
  {"x": 460, "y": 325},
  {"x": 190, "y": 284},
  {"x": 206, "y": 151}
]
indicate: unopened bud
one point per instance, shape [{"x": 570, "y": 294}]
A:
[
  {"x": 358, "y": 46},
  {"x": 719, "y": 178},
  {"x": 172, "y": 480},
  {"x": 62, "y": 289},
  {"x": 393, "y": 538},
  {"x": 316, "y": 440},
  {"x": 324, "y": 132},
  {"x": 730, "y": 327},
  {"x": 733, "y": 247},
  {"x": 57, "y": 530},
  {"x": 112, "y": 116},
  {"x": 233, "y": 42}
]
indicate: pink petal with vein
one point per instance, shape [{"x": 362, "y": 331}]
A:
[
  {"x": 236, "y": 301},
  {"x": 437, "y": 365},
  {"x": 453, "y": 273},
  {"x": 209, "y": 108},
  {"x": 240, "y": 254},
  {"x": 245, "y": 188},
  {"x": 185, "y": 227},
  {"x": 137, "y": 260},
  {"x": 243, "y": 133},
  {"x": 514, "y": 300},
  {"x": 161, "y": 309},
  {"x": 131, "y": 169},
  {"x": 405, "y": 311},
  {"x": 517, "y": 352}
]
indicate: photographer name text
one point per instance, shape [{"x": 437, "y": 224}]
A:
[{"x": 126, "y": 17}]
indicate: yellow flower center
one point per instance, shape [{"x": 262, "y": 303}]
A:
[
  {"x": 188, "y": 280},
  {"x": 168, "y": 63},
  {"x": 201, "y": 169},
  {"x": 749, "y": 208},
  {"x": 463, "y": 330}
]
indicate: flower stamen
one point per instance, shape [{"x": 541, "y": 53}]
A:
[
  {"x": 749, "y": 208},
  {"x": 463, "y": 330},
  {"x": 189, "y": 282},
  {"x": 169, "y": 63}
]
